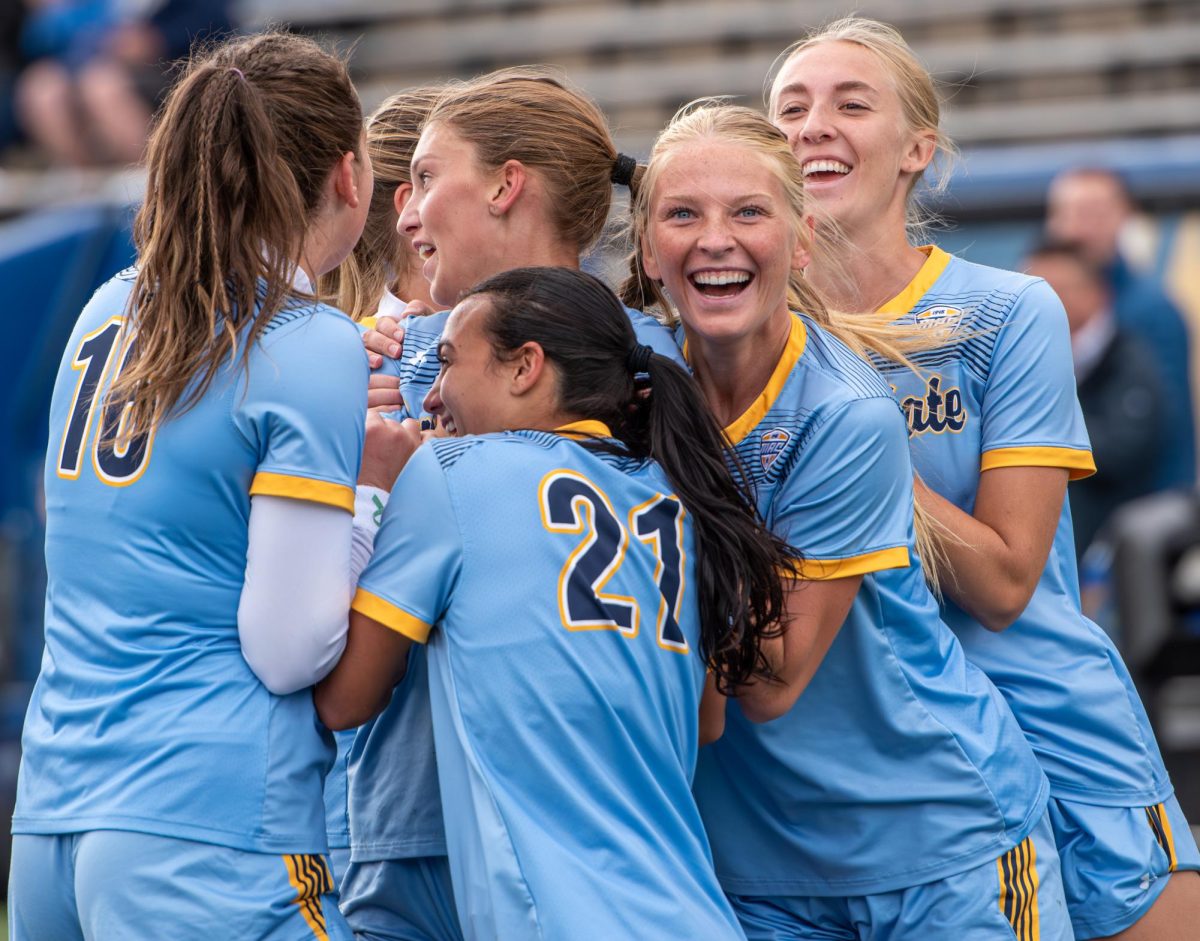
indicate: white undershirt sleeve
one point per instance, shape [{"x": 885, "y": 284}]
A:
[
  {"x": 293, "y": 612},
  {"x": 369, "y": 503}
]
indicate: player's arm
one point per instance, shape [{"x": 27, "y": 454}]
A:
[
  {"x": 1032, "y": 441},
  {"x": 405, "y": 589},
  {"x": 849, "y": 516},
  {"x": 996, "y": 554},
  {"x": 816, "y": 611},
  {"x": 712, "y": 711},
  {"x": 292, "y": 612},
  {"x": 361, "y": 684}
]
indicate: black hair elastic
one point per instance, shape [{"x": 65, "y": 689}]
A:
[
  {"x": 622, "y": 171},
  {"x": 638, "y": 358}
]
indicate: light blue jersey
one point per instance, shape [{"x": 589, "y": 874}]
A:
[
  {"x": 417, "y": 365},
  {"x": 899, "y": 764},
  {"x": 398, "y": 816},
  {"x": 565, "y": 683},
  {"x": 1001, "y": 393},
  {"x": 146, "y": 717}
]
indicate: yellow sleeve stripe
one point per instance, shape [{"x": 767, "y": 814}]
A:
[
  {"x": 390, "y": 616},
  {"x": 369, "y": 322},
  {"x": 825, "y": 569},
  {"x": 1078, "y": 461},
  {"x": 303, "y": 488}
]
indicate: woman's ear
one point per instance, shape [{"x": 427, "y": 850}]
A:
[
  {"x": 508, "y": 185},
  {"x": 920, "y": 151},
  {"x": 400, "y": 197},
  {"x": 528, "y": 366},
  {"x": 345, "y": 179},
  {"x": 802, "y": 254}
]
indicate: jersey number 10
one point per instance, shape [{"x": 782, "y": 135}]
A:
[
  {"x": 118, "y": 459},
  {"x": 571, "y": 503}
]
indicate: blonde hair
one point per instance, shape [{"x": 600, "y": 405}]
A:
[
  {"x": 236, "y": 167},
  {"x": 866, "y": 334},
  {"x": 381, "y": 256},
  {"x": 919, "y": 100},
  {"x": 533, "y": 115}
]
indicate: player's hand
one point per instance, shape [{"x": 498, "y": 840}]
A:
[
  {"x": 386, "y": 449},
  {"x": 383, "y": 393},
  {"x": 384, "y": 341}
]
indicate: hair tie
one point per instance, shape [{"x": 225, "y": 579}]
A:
[
  {"x": 638, "y": 358},
  {"x": 238, "y": 72},
  {"x": 622, "y": 171}
]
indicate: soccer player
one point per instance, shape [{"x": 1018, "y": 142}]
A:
[
  {"x": 893, "y": 795},
  {"x": 206, "y": 435},
  {"x": 995, "y": 432},
  {"x": 484, "y": 200},
  {"x": 379, "y": 277},
  {"x": 573, "y": 578}
]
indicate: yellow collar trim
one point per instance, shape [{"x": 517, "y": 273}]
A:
[
  {"x": 935, "y": 263},
  {"x": 585, "y": 429},
  {"x": 792, "y": 352}
]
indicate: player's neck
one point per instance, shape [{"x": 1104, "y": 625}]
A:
[
  {"x": 733, "y": 373},
  {"x": 866, "y": 271}
]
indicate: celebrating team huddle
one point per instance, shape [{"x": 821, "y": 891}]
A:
[{"x": 737, "y": 603}]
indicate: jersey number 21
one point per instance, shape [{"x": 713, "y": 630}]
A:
[{"x": 570, "y": 503}]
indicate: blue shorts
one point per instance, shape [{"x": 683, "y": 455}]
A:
[
  {"x": 1018, "y": 895},
  {"x": 339, "y": 862},
  {"x": 401, "y": 900},
  {"x": 110, "y": 884},
  {"x": 1115, "y": 860}
]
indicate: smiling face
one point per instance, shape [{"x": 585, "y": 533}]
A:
[
  {"x": 471, "y": 393},
  {"x": 843, "y": 117},
  {"x": 447, "y": 217},
  {"x": 722, "y": 238}
]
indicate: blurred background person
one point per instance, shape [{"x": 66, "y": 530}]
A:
[
  {"x": 1090, "y": 207},
  {"x": 1120, "y": 391},
  {"x": 99, "y": 69}
]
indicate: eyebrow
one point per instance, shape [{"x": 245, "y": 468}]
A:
[
  {"x": 685, "y": 197},
  {"x": 851, "y": 85}
]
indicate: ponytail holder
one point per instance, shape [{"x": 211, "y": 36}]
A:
[
  {"x": 238, "y": 72},
  {"x": 638, "y": 358},
  {"x": 622, "y": 171}
]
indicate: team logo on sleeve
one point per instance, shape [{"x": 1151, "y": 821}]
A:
[
  {"x": 937, "y": 410},
  {"x": 771, "y": 446}
]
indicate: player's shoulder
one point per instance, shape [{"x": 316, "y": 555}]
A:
[
  {"x": 832, "y": 374},
  {"x": 973, "y": 291},
  {"x": 533, "y": 454},
  {"x": 111, "y": 298},
  {"x": 314, "y": 334}
]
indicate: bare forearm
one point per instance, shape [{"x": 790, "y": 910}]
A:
[{"x": 995, "y": 557}]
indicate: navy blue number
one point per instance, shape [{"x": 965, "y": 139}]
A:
[
  {"x": 572, "y": 504},
  {"x": 661, "y": 525},
  {"x": 117, "y": 460}
]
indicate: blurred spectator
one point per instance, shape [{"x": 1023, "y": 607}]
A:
[
  {"x": 1119, "y": 389},
  {"x": 1090, "y": 207},
  {"x": 98, "y": 69},
  {"x": 11, "y": 14}
]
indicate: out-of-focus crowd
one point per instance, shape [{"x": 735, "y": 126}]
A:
[{"x": 79, "y": 79}]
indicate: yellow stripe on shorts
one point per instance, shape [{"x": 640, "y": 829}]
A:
[
  {"x": 310, "y": 876},
  {"x": 1161, "y": 825},
  {"x": 1017, "y": 870}
]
